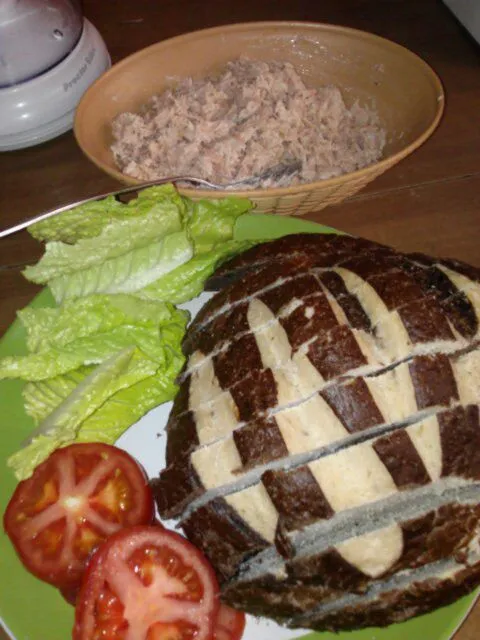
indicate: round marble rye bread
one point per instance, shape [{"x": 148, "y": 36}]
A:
[{"x": 324, "y": 447}]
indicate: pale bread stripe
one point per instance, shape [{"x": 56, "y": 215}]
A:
[
  {"x": 208, "y": 401},
  {"x": 319, "y": 537},
  {"x": 464, "y": 284},
  {"x": 217, "y": 467},
  {"x": 392, "y": 390},
  {"x": 398, "y": 413},
  {"x": 240, "y": 480},
  {"x": 225, "y": 421},
  {"x": 215, "y": 411}
]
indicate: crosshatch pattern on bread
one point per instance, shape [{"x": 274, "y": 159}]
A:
[{"x": 324, "y": 447}]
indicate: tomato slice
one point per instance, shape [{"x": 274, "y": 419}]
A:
[
  {"x": 73, "y": 501},
  {"x": 70, "y": 594},
  {"x": 147, "y": 583},
  {"x": 230, "y": 623}
]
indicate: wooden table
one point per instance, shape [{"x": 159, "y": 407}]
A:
[{"x": 429, "y": 202}]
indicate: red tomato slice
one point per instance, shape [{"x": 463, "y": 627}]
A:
[
  {"x": 70, "y": 594},
  {"x": 73, "y": 501},
  {"x": 230, "y": 624},
  {"x": 147, "y": 583}
]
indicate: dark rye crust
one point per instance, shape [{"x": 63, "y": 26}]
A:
[
  {"x": 300, "y": 279},
  {"x": 427, "y": 540},
  {"x": 399, "y": 605}
]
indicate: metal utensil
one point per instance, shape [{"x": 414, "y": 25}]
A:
[{"x": 278, "y": 174}]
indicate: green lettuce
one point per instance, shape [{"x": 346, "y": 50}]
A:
[
  {"x": 143, "y": 245},
  {"x": 60, "y": 427},
  {"x": 41, "y": 398},
  {"x": 111, "y": 349},
  {"x": 61, "y": 352},
  {"x": 187, "y": 281},
  {"x": 85, "y": 221},
  {"x": 107, "y": 422},
  {"x": 71, "y": 399},
  {"x": 127, "y": 273},
  {"x": 153, "y": 217},
  {"x": 125, "y": 408},
  {"x": 211, "y": 222},
  {"x": 58, "y": 326},
  {"x": 103, "y": 424}
]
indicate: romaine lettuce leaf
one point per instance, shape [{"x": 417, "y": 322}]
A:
[
  {"x": 85, "y": 221},
  {"x": 41, "y": 398},
  {"x": 62, "y": 351},
  {"x": 111, "y": 351},
  {"x": 187, "y": 281},
  {"x": 152, "y": 220},
  {"x": 89, "y": 220},
  {"x": 126, "y": 273},
  {"x": 212, "y": 222},
  {"x": 115, "y": 415},
  {"x": 60, "y": 427},
  {"x": 57, "y": 326},
  {"x": 84, "y": 351},
  {"x": 130, "y": 254},
  {"x": 125, "y": 408},
  {"x": 104, "y": 413}
]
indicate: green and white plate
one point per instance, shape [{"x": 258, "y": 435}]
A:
[{"x": 32, "y": 610}]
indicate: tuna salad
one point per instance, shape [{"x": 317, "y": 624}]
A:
[{"x": 252, "y": 116}]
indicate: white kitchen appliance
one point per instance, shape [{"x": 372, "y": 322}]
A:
[
  {"x": 468, "y": 13},
  {"x": 49, "y": 56}
]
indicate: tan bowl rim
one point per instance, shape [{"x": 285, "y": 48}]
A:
[{"x": 278, "y": 191}]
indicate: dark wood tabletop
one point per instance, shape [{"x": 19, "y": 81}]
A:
[{"x": 429, "y": 202}]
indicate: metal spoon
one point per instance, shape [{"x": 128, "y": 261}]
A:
[{"x": 280, "y": 174}]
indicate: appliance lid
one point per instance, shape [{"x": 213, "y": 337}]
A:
[
  {"x": 468, "y": 14},
  {"x": 35, "y": 35}
]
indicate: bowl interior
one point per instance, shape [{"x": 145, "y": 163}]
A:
[{"x": 400, "y": 86}]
